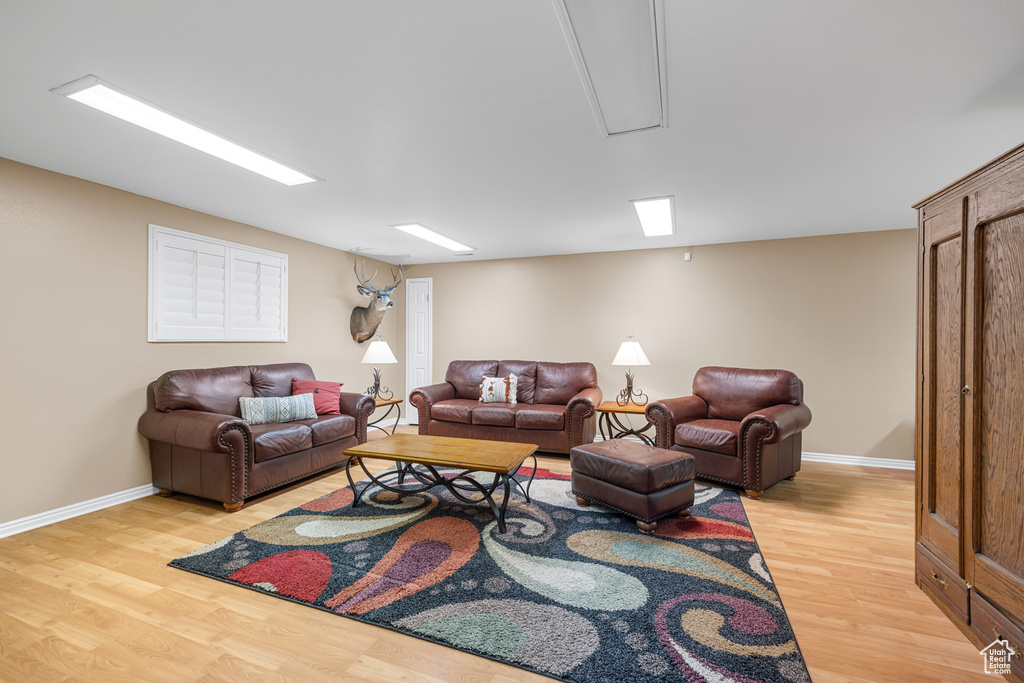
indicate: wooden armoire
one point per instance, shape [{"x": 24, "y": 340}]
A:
[{"x": 970, "y": 403}]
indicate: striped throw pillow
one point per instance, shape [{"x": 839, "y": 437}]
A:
[{"x": 267, "y": 409}]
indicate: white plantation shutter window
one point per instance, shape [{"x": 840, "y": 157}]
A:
[
  {"x": 190, "y": 280},
  {"x": 257, "y": 296},
  {"x": 204, "y": 289}
]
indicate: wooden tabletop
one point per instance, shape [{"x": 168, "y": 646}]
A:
[
  {"x": 387, "y": 401},
  {"x": 445, "y": 451},
  {"x": 613, "y": 407}
]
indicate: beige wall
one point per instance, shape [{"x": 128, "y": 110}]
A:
[
  {"x": 76, "y": 362},
  {"x": 837, "y": 310}
]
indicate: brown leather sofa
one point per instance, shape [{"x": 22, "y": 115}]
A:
[
  {"x": 199, "y": 445},
  {"x": 743, "y": 427},
  {"x": 556, "y": 404}
]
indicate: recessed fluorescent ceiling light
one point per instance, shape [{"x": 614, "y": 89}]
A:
[
  {"x": 655, "y": 216},
  {"x": 107, "y": 98},
  {"x": 417, "y": 230},
  {"x": 619, "y": 50}
]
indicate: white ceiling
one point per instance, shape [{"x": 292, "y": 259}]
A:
[{"x": 786, "y": 117}]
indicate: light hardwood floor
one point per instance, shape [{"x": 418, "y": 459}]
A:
[{"x": 91, "y": 599}]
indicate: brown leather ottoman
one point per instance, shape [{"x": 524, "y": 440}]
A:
[{"x": 641, "y": 481}]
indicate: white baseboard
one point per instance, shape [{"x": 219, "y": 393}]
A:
[
  {"x": 854, "y": 460},
  {"x": 859, "y": 461},
  {"x": 383, "y": 424},
  {"x": 67, "y": 512},
  {"x": 635, "y": 439},
  {"x": 42, "y": 519}
]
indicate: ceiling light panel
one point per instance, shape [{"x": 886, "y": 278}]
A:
[
  {"x": 619, "y": 50},
  {"x": 425, "y": 233},
  {"x": 656, "y": 216},
  {"x": 109, "y": 99}
]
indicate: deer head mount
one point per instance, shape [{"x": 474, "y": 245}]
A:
[{"x": 365, "y": 319}]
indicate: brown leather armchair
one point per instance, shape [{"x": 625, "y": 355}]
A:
[{"x": 743, "y": 427}]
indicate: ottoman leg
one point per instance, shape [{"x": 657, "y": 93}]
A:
[
  {"x": 756, "y": 495},
  {"x": 684, "y": 512},
  {"x": 646, "y": 527},
  {"x": 582, "y": 502}
]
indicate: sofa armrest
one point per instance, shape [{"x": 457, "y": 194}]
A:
[
  {"x": 359, "y": 406},
  {"x": 580, "y": 416},
  {"x": 192, "y": 429},
  {"x": 584, "y": 404},
  {"x": 781, "y": 421},
  {"x": 424, "y": 397},
  {"x": 669, "y": 412}
]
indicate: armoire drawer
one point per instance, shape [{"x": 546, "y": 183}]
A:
[
  {"x": 944, "y": 585},
  {"x": 989, "y": 625}
]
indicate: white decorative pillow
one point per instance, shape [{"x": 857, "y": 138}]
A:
[
  {"x": 266, "y": 409},
  {"x": 498, "y": 389}
]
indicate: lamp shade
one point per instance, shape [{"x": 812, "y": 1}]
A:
[
  {"x": 630, "y": 354},
  {"x": 378, "y": 353}
]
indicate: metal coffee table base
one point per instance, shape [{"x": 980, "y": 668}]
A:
[{"x": 428, "y": 477}]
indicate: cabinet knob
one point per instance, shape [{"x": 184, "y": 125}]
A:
[
  {"x": 945, "y": 584},
  {"x": 966, "y": 390},
  {"x": 1016, "y": 650}
]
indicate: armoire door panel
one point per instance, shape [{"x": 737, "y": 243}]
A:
[
  {"x": 943, "y": 447},
  {"x": 997, "y": 464},
  {"x": 947, "y": 321},
  {"x": 1004, "y": 195}
]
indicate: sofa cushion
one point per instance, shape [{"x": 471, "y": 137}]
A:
[
  {"x": 212, "y": 390},
  {"x": 734, "y": 393},
  {"x": 465, "y": 376},
  {"x": 526, "y": 377},
  {"x": 498, "y": 389},
  {"x": 276, "y": 379},
  {"x": 331, "y": 428},
  {"x": 718, "y": 436},
  {"x": 454, "y": 410},
  {"x": 326, "y": 395},
  {"x": 266, "y": 409},
  {"x": 274, "y": 440},
  {"x": 540, "y": 416},
  {"x": 496, "y": 414},
  {"x": 557, "y": 383}
]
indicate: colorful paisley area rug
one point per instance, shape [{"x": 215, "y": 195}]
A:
[{"x": 576, "y": 594}]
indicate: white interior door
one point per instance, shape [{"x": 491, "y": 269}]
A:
[{"x": 419, "y": 321}]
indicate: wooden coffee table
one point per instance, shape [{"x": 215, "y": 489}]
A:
[{"x": 419, "y": 456}]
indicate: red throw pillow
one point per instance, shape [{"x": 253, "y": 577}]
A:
[{"x": 326, "y": 395}]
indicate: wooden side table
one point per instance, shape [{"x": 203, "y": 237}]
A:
[
  {"x": 612, "y": 427},
  {"x": 392, "y": 404}
]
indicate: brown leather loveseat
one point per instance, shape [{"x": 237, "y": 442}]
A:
[
  {"x": 743, "y": 427},
  {"x": 199, "y": 445},
  {"x": 555, "y": 408}
]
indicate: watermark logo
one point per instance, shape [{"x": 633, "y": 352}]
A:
[{"x": 997, "y": 657}]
